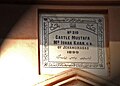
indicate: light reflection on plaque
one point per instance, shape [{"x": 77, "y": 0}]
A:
[{"x": 72, "y": 40}]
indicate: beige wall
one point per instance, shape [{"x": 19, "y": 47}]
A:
[{"x": 19, "y": 49}]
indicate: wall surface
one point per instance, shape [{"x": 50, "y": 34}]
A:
[{"x": 19, "y": 43}]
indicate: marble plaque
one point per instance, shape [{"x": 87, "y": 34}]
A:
[{"x": 72, "y": 41}]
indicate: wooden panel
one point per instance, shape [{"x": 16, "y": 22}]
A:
[
  {"x": 75, "y": 77},
  {"x": 64, "y": 2},
  {"x": 76, "y": 83}
]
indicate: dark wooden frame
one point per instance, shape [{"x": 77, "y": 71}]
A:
[{"x": 61, "y": 9}]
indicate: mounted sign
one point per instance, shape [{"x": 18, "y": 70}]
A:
[{"x": 72, "y": 41}]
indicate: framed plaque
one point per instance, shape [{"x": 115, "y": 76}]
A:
[{"x": 69, "y": 40}]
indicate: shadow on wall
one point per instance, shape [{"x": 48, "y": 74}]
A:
[{"x": 9, "y": 16}]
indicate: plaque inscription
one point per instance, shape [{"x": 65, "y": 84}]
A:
[{"x": 72, "y": 40}]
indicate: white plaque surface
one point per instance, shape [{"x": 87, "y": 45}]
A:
[{"x": 72, "y": 41}]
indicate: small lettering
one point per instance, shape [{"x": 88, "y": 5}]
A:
[
  {"x": 80, "y": 38},
  {"x": 62, "y": 37},
  {"x": 61, "y": 57},
  {"x": 66, "y": 42}
]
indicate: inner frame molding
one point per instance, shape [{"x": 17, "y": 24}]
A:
[{"x": 53, "y": 33}]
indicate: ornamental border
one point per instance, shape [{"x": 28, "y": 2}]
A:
[{"x": 84, "y": 65}]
